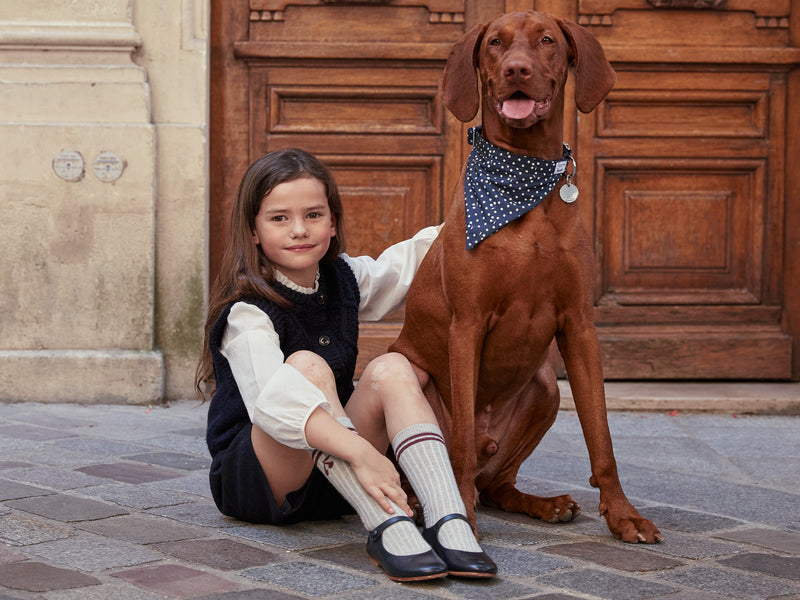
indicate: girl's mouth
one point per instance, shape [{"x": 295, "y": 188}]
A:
[{"x": 300, "y": 247}]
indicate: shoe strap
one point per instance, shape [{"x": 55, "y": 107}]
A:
[
  {"x": 445, "y": 519},
  {"x": 378, "y": 531}
]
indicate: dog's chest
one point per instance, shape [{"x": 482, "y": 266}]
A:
[{"x": 528, "y": 247}]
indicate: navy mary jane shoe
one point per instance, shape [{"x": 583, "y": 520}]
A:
[
  {"x": 459, "y": 562},
  {"x": 414, "y": 567}
]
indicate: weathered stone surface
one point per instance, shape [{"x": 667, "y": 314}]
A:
[
  {"x": 613, "y": 556},
  {"x": 176, "y": 580},
  {"x": 225, "y": 554},
  {"x": 62, "y": 507},
  {"x": 39, "y": 577}
]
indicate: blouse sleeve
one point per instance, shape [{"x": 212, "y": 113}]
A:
[
  {"x": 383, "y": 282},
  {"x": 278, "y": 398}
]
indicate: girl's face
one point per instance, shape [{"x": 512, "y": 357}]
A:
[{"x": 294, "y": 227}]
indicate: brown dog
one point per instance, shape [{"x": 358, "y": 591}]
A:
[{"x": 480, "y": 321}]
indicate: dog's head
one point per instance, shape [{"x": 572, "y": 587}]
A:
[{"x": 522, "y": 59}]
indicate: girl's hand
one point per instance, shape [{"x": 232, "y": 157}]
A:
[{"x": 380, "y": 479}]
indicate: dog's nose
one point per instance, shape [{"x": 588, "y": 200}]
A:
[{"x": 517, "y": 69}]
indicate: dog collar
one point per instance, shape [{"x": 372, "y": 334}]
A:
[{"x": 501, "y": 186}]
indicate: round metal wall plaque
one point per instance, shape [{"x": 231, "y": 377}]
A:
[
  {"x": 68, "y": 165},
  {"x": 108, "y": 166}
]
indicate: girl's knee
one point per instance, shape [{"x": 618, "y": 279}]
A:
[
  {"x": 312, "y": 366},
  {"x": 389, "y": 368}
]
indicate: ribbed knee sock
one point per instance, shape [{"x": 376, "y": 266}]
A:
[
  {"x": 402, "y": 538},
  {"x": 422, "y": 454}
]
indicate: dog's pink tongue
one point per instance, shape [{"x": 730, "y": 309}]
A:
[{"x": 518, "y": 108}]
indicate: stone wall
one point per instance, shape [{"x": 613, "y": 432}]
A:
[{"x": 103, "y": 203}]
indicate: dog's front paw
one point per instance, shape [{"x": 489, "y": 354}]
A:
[{"x": 631, "y": 527}]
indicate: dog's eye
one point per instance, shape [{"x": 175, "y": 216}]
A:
[
  {"x": 495, "y": 42},
  {"x": 547, "y": 40}
]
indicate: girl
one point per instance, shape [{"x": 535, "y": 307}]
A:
[{"x": 289, "y": 436}]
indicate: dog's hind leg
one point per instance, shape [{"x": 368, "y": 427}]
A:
[{"x": 529, "y": 418}]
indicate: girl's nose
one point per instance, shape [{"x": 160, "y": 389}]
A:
[{"x": 299, "y": 229}]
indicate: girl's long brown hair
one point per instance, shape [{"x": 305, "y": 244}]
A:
[{"x": 244, "y": 269}]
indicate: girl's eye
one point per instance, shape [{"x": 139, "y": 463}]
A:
[
  {"x": 279, "y": 218},
  {"x": 314, "y": 215}
]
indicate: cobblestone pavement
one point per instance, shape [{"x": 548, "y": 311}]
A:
[{"x": 112, "y": 502}]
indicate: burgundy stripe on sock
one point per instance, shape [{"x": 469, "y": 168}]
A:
[
  {"x": 427, "y": 436},
  {"x": 323, "y": 461}
]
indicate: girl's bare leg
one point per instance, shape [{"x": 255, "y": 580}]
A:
[
  {"x": 287, "y": 469},
  {"x": 388, "y": 398}
]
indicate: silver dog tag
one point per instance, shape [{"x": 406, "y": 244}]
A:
[{"x": 568, "y": 193}]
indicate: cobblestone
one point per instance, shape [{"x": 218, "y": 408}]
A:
[{"x": 102, "y": 502}]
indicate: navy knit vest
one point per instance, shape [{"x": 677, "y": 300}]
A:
[{"x": 325, "y": 322}]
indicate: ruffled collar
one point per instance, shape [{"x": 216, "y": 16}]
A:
[{"x": 286, "y": 282}]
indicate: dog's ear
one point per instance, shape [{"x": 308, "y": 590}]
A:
[
  {"x": 594, "y": 76},
  {"x": 459, "y": 85}
]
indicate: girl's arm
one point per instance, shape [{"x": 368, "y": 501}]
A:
[
  {"x": 376, "y": 473},
  {"x": 292, "y": 410},
  {"x": 278, "y": 398},
  {"x": 384, "y": 282}
]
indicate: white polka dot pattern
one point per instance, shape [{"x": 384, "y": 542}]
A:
[{"x": 501, "y": 186}]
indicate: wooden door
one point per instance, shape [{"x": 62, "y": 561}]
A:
[
  {"x": 685, "y": 182},
  {"x": 697, "y": 263}
]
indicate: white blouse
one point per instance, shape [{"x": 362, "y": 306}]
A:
[{"x": 278, "y": 398}]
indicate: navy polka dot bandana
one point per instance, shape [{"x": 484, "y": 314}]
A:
[{"x": 501, "y": 186}]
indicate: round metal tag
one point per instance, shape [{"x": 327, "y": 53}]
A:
[
  {"x": 69, "y": 165},
  {"x": 568, "y": 193},
  {"x": 108, "y": 166}
]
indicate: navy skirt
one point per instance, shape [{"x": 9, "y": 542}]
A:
[{"x": 241, "y": 490}]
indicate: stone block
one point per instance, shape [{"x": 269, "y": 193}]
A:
[
  {"x": 140, "y": 497},
  {"x": 87, "y": 552},
  {"x": 787, "y": 567},
  {"x": 225, "y": 555},
  {"x": 299, "y": 536},
  {"x": 67, "y": 509},
  {"x": 11, "y": 490},
  {"x": 782, "y": 541},
  {"x": 197, "y": 513},
  {"x": 730, "y": 582},
  {"x": 39, "y": 577},
  {"x": 61, "y": 479},
  {"x": 29, "y": 432},
  {"x": 142, "y": 529},
  {"x": 695, "y": 547},
  {"x": 21, "y": 530},
  {"x": 605, "y": 585},
  {"x": 613, "y": 556},
  {"x": 669, "y": 517},
  {"x": 177, "y": 581},
  {"x": 174, "y": 460},
  {"x": 130, "y": 473},
  {"x": 311, "y": 579}
]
